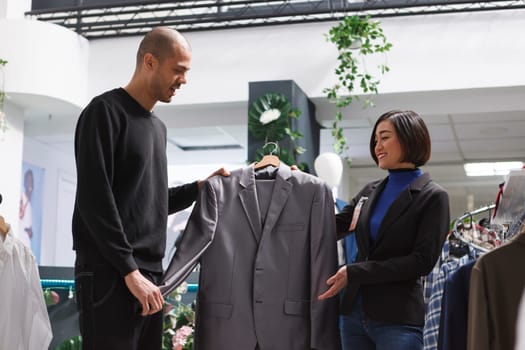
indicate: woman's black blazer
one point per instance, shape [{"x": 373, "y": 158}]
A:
[{"x": 408, "y": 245}]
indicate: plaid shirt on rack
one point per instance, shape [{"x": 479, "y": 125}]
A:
[
  {"x": 428, "y": 280},
  {"x": 435, "y": 287}
]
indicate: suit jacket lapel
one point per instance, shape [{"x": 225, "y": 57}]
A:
[
  {"x": 366, "y": 212},
  {"x": 281, "y": 191},
  {"x": 401, "y": 203},
  {"x": 250, "y": 204}
]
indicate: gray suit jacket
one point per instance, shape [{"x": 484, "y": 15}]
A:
[{"x": 259, "y": 282}]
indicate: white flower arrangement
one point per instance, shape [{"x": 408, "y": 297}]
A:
[{"x": 269, "y": 116}]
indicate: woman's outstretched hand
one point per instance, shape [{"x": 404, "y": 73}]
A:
[{"x": 336, "y": 283}]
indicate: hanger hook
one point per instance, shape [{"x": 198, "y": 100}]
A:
[
  {"x": 469, "y": 215},
  {"x": 276, "y": 147}
]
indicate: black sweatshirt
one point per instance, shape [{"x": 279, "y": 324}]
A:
[{"x": 122, "y": 200}]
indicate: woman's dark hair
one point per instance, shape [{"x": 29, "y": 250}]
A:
[{"x": 412, "y": 134}]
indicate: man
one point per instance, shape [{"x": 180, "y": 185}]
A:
[{"x": 122, "y": 200}]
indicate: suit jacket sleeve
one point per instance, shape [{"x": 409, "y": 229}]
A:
[
  {"x": 323, "y": 248},
  {"x": 196, "y": 238},
  {"x": 344, "y": 218}
]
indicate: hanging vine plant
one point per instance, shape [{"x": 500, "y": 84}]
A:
[
  {"x": 269, "y": 120},
  {"x": 355, "y": 38}
]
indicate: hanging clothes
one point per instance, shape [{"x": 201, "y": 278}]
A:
[
  {"x": 24, "y": 322},
  {"x": 454, "y": 309},
  {"x": 434, "y": 306},
  {"x": 520, "y": 326},
  {"x": 496, "y": 287}
]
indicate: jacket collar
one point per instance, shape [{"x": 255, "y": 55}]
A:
[
  {"x": 250, "y": 203},
  {"x": 399, "y": 205}
]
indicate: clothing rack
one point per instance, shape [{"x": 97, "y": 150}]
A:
[{"x": 469, "y": 215}]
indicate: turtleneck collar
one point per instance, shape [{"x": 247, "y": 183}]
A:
[{"x": 403, "y": 176}]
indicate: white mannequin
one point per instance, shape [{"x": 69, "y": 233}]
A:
[{"x": 329, "y": 168}]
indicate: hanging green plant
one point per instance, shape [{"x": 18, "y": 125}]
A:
[
  {"x": 269, "y": 120},
  {"x": 355, "y": 38}
]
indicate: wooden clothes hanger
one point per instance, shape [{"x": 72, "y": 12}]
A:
[{"x": 268, "y": 159}]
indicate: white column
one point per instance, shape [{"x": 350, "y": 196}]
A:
[
  {"x": 11, "y": 144},
  {"x": 14, "y": 9}
]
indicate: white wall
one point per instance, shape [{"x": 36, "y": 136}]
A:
[
  {"x": 11, "y": 155},
  {"x": 44, "y": 60},
  {"x": 429, "y": 53},
  {"x": 14, "y": 8}
]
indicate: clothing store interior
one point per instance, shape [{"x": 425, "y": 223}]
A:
[{"x": 267, "y": 89}]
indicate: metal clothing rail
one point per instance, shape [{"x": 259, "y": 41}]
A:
[
  {"x": 469, "y": 215},
  {"x": 54, "y": 283},
  {"x": 70, "y": 284}
]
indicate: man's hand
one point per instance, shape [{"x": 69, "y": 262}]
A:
[
  {"x": 147, "y": 293},
  {"x": 337, "y": 282},
  {"x": 294, "y": 167},
  {"x": 221, "y": 172}
]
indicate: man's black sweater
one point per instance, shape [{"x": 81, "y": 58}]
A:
[{"x": 122, "y": 199}]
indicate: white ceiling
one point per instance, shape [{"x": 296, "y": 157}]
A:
[{"x": 470, "y": 125}]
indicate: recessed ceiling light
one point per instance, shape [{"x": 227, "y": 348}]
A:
[{"x": 491, "y": 168}]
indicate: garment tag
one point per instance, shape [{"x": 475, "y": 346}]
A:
[{"x": 357, "y": 212}]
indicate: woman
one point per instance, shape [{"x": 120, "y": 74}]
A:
[{"x": 400, "y": 224}]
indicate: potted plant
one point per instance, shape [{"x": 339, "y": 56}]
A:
[
  {"x": 355, "y": 38},
  {"x": 179, "y": 322},
  {"x": 269, "y": 119}
]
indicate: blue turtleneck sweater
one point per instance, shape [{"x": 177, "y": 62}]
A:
[{"x": 398, "y": 180}]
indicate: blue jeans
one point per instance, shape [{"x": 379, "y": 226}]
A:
[{"x": 358, "y": 332}]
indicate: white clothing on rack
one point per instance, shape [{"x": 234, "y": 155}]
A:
[{"x": 24, "y": 321}]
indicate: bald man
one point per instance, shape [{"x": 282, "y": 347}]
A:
[{"x": 123, "y": 200}]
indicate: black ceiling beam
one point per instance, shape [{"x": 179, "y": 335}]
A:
[{"x": 138, "y": 17}]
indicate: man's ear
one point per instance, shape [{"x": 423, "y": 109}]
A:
[{"x": 149, "y": 61}]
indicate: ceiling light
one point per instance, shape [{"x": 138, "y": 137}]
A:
[{"x": 491, "y": 169}]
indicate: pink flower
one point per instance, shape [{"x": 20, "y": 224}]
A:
[{"x": 180, "y": 337}]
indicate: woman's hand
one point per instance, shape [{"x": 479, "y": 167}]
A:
[{"x": 336, "y": 283}]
